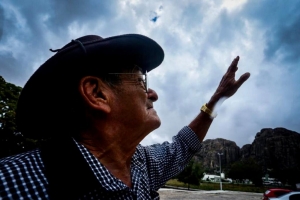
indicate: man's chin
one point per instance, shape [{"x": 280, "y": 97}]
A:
[
  {"x": 154, "y": 120},
  {"x": 156, "y": 123}
]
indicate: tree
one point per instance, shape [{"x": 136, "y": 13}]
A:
[
  {"x": 246, "y": 169},
  {"x": 192, "y": 173},
  {"x": 289, "y": 175},
  {"x": 11, "y": 140},
  {"x": 9, "y": 94}
]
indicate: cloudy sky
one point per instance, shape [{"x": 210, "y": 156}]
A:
[{"x": 200, "y": 39}]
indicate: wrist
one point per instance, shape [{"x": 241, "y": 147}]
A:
[
  {"x": 208, "y": 111},
  {"x": 212, "y": 102}
]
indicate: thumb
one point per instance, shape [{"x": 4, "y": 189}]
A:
[{"x": 242, "y": 79}]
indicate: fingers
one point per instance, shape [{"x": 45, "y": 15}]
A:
[
  {"x": 233, "y": 67},
  {"x": 242, "y": 79}
]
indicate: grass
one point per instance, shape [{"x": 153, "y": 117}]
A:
[{"x": 216, "y": 186}]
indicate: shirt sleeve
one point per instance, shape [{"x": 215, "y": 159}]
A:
[{"x": 163, "y": 161}]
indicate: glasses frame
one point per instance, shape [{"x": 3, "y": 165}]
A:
[{"x": 145, "y": 81}]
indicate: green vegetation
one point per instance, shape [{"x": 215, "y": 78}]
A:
[
  {"x": 192, "y": 173},
  {"x": 246, "y": 169},
  {"x": 191, "y": 177},
  {"x": 11, "y": 140},
  {"x": 250, "y": 169},
  {"x": 240, "y": 170},
  {"x": 216, "y": 186},
  {"x": 289, "y": 176}
]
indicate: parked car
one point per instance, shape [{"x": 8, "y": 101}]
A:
[
  {"x": 267, "y": 182},
  {"x": 289, "y": 196},
  {"x": 278, "y": 183},
  {"x": 275, "y": 192}
]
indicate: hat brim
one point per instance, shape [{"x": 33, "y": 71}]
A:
[{"x": 124, "y": 49}]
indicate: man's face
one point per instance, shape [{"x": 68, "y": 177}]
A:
[{"x": 134, "y": 106}]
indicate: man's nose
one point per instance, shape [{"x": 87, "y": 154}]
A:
[{"x": 152, "y": 95}]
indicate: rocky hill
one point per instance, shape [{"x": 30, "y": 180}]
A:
[
  {"x": 275, "y": 148},
  {"x": 208, "y": 154},
  {"x": 272, "y": 148}
]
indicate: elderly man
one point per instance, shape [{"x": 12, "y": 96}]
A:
[{"x": 91, "y": 106}]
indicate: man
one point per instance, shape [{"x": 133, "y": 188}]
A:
[{"x": 91, "y": 106}]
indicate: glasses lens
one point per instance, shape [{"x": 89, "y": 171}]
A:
[{"x": 144, "y": 79}]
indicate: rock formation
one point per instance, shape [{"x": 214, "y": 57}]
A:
[
  {"x": 279, "y": 148},
  {"x": 272, "y": 148},
  {"x": 208, "y": 154}
]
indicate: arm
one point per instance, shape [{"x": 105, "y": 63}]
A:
[
  {"x": 166, "y": 160},
  {"x": 227, "y": 87}
]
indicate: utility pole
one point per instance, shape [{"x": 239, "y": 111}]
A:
[{"x": 220, "y": 154}]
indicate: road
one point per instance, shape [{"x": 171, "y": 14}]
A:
[{"x": 204, "y": 195}]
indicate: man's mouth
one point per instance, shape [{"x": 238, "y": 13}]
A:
[{"x": 149, "y": 107}]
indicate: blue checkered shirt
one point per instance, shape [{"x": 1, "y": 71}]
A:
[{"x": 23, "y": 176}]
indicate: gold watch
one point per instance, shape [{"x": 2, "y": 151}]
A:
[{"x": 205, "y": 109}]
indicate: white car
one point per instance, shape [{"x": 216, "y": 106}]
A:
[{"x": 289, "y": 196}]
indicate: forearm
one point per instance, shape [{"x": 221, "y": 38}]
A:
[
  {"x": 202, "y": 122},
  {"x": 227, "y": 87}
]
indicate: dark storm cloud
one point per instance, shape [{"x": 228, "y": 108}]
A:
[
  {"x": 281, "y": 22},
  {"x": 285, "y": 40},
  {"x": 16, "y": 32},
  {"x": 62, "y": 13},
  {"x": 1, "y": 21},
  {"x": 56, "y": 16},
  {"x": 8, "y": 67},
  {"x": 25, "y": 26}
]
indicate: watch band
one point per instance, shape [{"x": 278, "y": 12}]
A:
[{"x": 205, "y": 109}]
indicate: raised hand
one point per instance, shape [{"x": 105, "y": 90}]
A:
[{"x": 228, "y": 85}]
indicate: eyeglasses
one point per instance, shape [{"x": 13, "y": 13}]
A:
[{"x": 142, "y": 78}]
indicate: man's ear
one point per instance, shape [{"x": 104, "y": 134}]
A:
[{"x": 95, "y": 93}]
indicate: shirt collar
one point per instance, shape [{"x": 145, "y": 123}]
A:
[
  {"x": 105, "y": 178},
  {"x": 68, "y": 174}
]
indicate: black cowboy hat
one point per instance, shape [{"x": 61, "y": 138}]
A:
[{"x": 42, "y": 96}]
